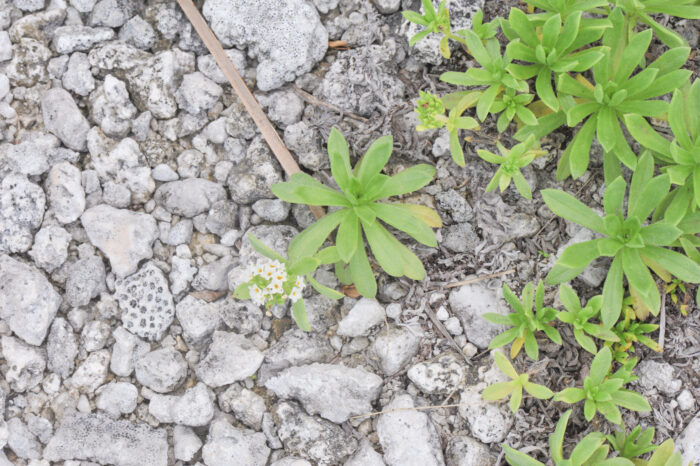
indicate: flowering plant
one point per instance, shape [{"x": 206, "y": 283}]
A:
[{"x": 273, "y": 282}]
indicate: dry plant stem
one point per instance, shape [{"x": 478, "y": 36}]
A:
[
  {"x": 320, "y": 103},
  {"x": 444, "y": 332},
  {"x": 662, "y": 319},
  {"x": 251, "y": 105},
  {"x": 415, "y": 408},
  {"x": 479, "y": 279}
]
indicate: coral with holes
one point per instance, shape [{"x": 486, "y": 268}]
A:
[{"x": 146, "y": 303}]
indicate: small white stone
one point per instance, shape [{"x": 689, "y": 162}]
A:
[{"x": 686, "y": 400}]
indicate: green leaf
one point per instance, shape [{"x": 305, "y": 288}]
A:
[
  {"x": 374, "y": 160},
  {"x": 504, "y": 365},
  {"x": 556, "y": 441},
  {"x": 339, "y": 155},
  {"x": 600, "y": 367},
  {"x": 476, "y": 48},
  {"x": 409, "y": 180},
  {"x": 504, "y": 338},
  {"x": 324, "y": 290},
  {"x": 261, "y": 248},
  {"x": 531, "y": 347},
  {"x": 545, "y": 91},
  {"x": 303, "y": 266},
  {"x": 607, "y": 120},
  {"x": 516, "y": 398},
  {"x": 521, "y": 25},
  {"x": 639, "y": 278},
  {"x": 613, "y": 197},
  {"x": 417, "y": 37},
  {"x": 631, "y": 400},
  {"x": 242, "y": 291},
  {"x": 660, "y": 234},
  {"x": 677, "y": 264},
  {"x": 414, "y": 17},
  {"x": 567, "y": 206},
  {"x": 572, "y": 262},
  {"x": 497, "y": 391},
  {"x": 633, "y": 55},
  {"x": 328, "y": 255},
  {"x": 585, "y": 341},
  {"x": 303, "y": 189},
  {"x": 346, "y": 239},
  {"x": 570, "y": 395},
  {"x": 612, "y": 294},
  {"x": 517, "y": 458},
  {"x": 299, "y": 314},
  {"x": 538, "y": 391},
  {"x": 586, "y": 447},
  {"x": 361, "y": 273},
  {"x": 581, "y": 146},
  {"x": 642, "y": 131},
  {"x": 456, "y": 148},
  {"x": 310, "y": 240},
  {"x": 486, "y": 101},
  {"x": 397, "y": 218}
]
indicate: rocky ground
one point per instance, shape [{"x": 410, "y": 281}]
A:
[{"x": 130, "y": 175}]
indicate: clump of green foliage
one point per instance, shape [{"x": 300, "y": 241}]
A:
[
  {"x": 514, "y": 387},
  {"x": 578, "y": 317},
  {"x": 361, "y": 214},
  {"x": 524, "y": 321},
  {"x": 602, "y": 393}
]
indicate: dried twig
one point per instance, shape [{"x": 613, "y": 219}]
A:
[
  {"x": 479, "y": 279},
  {"x": 415, "y": 408},
  {"x": 662, "y": 318},
  {"x": 246, "y": 97},
  {"x": 320, "y": 103},
  {"x": 443, "y": 330}
]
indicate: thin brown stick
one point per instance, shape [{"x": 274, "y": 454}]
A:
[
  {"x": 415, "y": 408},
  {"x": 251, "y": 105},
  {"x": 320, "y": 103},
  {"x": 662, "y": 323},
  {"x": 445, "y": 333},
  {"x": 479, "y": 279}
]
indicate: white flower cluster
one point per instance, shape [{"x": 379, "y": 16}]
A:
[{"x": 275, "y": 276}]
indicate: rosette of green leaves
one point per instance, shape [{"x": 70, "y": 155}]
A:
[
  {"x": 524, "y": 321},
  {"x": 511, "y": 105},
  {"x": 602, "y": 393},
  {"x": 431, "y": 113},
  {"x": 630, "y": 332},
  {"x": 617, "y": 92},
  {"x": 640, "y": 11},
  {"x": 433, "y": 21},
  {"x": 633, "y": 244},
  {"x": 360, "y": 211},
  {"x": 510, "y": 162},
  {"x": 634, "y": 445},
  {"x": 553, "y": 52},
  {"x": 578, "y": 317},
  {"x": 681, "y": 157},
  {"x": 304, "y": 266},
  {"x": 590, "y": 451},
  {"x": 515, "y": 387},
  {"x": 493, "y": 73}
]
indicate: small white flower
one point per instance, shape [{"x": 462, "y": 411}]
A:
[
  {"x": 295, "y": 295},
  {"x": 299, "y": 283},
  {"x": 256, "y": 294},
  {"x": 275, "y": 287}
]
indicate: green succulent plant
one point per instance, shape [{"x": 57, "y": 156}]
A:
[
  {"x": 514, "y": 387},
  {"x": 524, "y": 321},
  {"x": 679, "y": 158},
  {"x": 634, "y": 444},
  {"x": 616, "y": 93},
  {"x": 291, "y": 270},
  {"x": 590, "y": 451},
  {"x": 578, "y": 317},
  {"x": 431, "y": 113},
  {"x": 602, "y": 393},
  {"x": 485, "y": 31},
  {"x": 629, "y": 332},
  {"x": 665, "y": 455},
  {"x": 360, "y": 211},
  {"x": 493, "y": 73},
  {"x": 553, "y": 52},
  {"x": 634, "y": 245},
  {"x": 433, "y": 21},
  {"x": 510, "y": 162}
]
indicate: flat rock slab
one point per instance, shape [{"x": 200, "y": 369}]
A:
[
  {"x": 334, "y": 391},
  {"x": 94, "y": 437}
]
